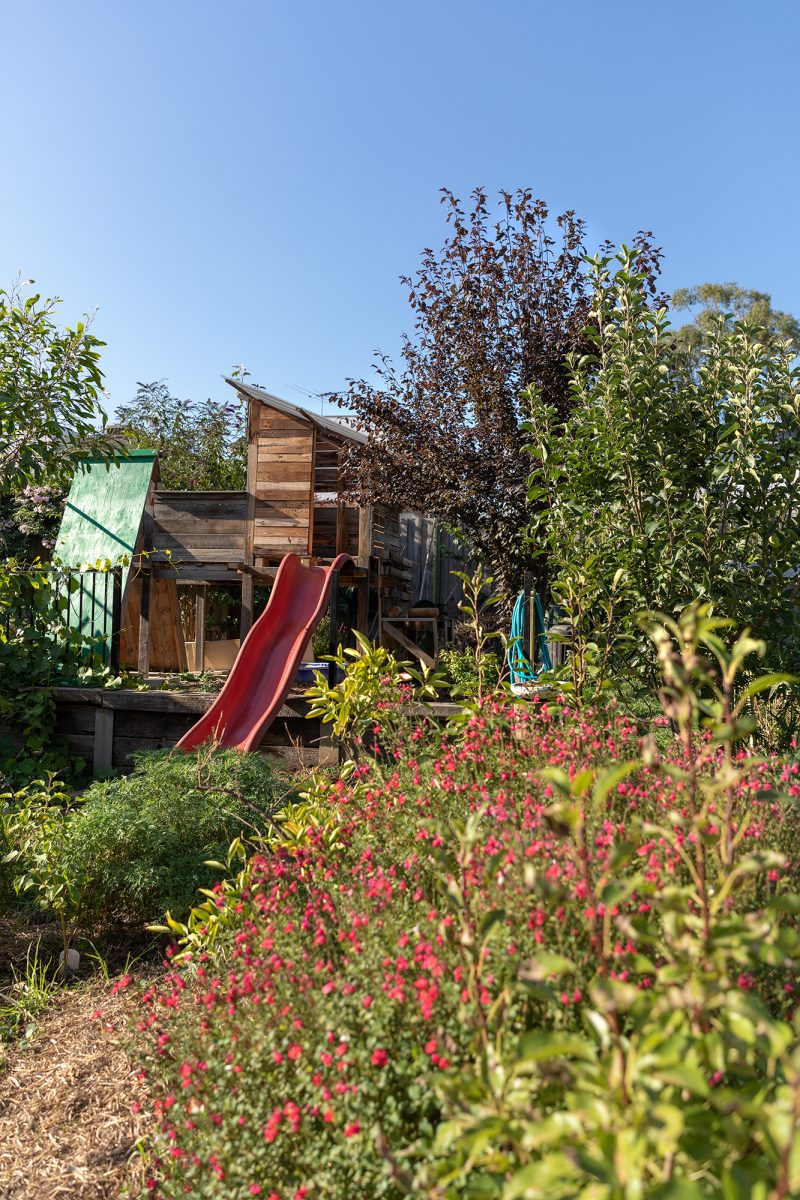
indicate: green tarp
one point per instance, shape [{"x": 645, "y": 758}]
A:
[{"x": 100, "y": 525}]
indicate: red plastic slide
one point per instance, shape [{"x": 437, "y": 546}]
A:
[{"x": 266, "y": 665}]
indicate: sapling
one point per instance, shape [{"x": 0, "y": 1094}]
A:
[
  {"x": 476, "y": 603},
  {"x": 36, "y": 828}
]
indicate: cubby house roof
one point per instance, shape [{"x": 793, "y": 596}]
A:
[{"x": 327, "y": 424}]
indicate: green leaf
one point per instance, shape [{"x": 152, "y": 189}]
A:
[
  {"x": 767, "y": 681},
  {"x": 491, "y": 920},
  {"x": 538, "y": 1046},
  {"x": 686, "y": 1077},
  {"x": 679, "y": 1189},
  {"x": 609, "y": 780},
  {"x": 535, "y": 1180},
  {"x": 545, "y": 966}
]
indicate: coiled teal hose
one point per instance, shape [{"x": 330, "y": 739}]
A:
[{"x": 519, "y": 665}]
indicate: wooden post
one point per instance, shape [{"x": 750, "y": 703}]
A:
[
  {"x": 379, "y": 571},
  {"x": 103, "y": 742},
  {"x": 312, "y": 493},
  {"x": 328, "y": 754},
  {"x": 143, "y": 663},
  {"x": 246, "y": 619},
  {"x": 362, "y": 609},
  {"x": 529, "y": 632},
  {"x": 364, "y": 537},
  {"x": 252, "y": 480},
  {"x": 116, "y": 619},
  {"x": 328, "y": 748},
  {"x": 146, "y": 546},
  {"x": 333, "y": 635},
  {"x": 437, "y": 562},
  {"x": 341, "y": 511},
  {"x": 200, "y": 627}
]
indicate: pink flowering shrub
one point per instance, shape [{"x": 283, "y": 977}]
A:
[
  {"x": 682, "y": 1079},
  {"x": 476, "y": 885}
]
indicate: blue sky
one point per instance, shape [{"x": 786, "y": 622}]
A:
[{"x": 244, "y": 182}]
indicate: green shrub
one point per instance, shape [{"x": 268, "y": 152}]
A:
[
  {"x": 144, "y": 839},
  {"x": 460, "y": 669},
  {"x": 321, "y": 638},
  {"x": 378, "y": 697}
]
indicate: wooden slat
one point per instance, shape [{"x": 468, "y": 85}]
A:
[
  {"x": 199, "y": 541},
  {"x": 281, "y": 491},
  {"x": 285, "y": 456},
  {"x": 199, "y": 628},
  {"x": 211, "y": 570},
  {"x": 269, "y": 508},
  {"x": 270, "y": 417},
  {"x": 221, "y": 554},
  {"x": 268, "y": 540},
  {"x": 270, "y": 441},
  {"x": 284, "y": 473},
  {"x": 187, "y": 524},
  {"x": 398, "y": 636},
  {"x": 276, "y": 522},
  {"x": 192, "y": 501}
]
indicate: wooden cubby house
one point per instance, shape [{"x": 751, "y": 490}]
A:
[{"x": 295, "y": 502}]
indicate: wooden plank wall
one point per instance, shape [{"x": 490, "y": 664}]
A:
[
  {"x": 325, "y": 531},
  {"x": 434, "y": 561},
  {"x": 283, "y": 486},
  {"x": 200, "y": 528},
  {"x": 329, "y": 507},
  {"x": 395, "y": 568},
  {"x": 167, "y": 646},
  {"x": 156, "y": 720}
]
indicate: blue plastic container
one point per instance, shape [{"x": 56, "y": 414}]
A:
[{"x": 305, "y": 672}]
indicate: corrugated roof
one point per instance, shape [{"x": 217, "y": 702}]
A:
[{"x": 328, "y": 424}]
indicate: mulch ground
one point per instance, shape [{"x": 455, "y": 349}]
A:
[{"x": 67, "y": 1129}]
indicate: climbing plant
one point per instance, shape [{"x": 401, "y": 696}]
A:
[{"x": 39, "y": 650}]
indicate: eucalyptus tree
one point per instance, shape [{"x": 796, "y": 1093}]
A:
[
  {"x": 51, "y": 390},
  {"x": 665, "y": 485}
]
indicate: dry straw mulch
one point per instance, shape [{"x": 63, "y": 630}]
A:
[{"x": 67, "y": 1129}]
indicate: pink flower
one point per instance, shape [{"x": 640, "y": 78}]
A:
[{"x": 379, "y": 1058}]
